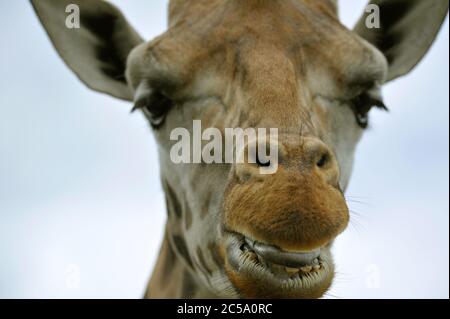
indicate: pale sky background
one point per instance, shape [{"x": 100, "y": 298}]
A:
[{"x": 81, "y": 207}]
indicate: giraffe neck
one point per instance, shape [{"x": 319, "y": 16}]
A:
[{"x": 171, "y": 278}]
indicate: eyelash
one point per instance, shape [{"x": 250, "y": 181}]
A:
[
  {"x": 362, "y": 104},
  {"x": 155, "y": 106}
]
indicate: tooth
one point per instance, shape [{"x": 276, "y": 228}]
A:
[
  {"x": 306, "y": 268},
  {"x": 252, "y": 256},
  {"x": 316, "y": 267},
  {"x": 291, "y": 271},
  {"x": 260, "y": 260},
  {"x": 316, "y": 261},
  {"x": 263, "y": 262}
]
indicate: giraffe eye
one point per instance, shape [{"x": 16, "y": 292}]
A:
[
  {"x": 362, "y": 119},
  {"x": 362, "y": 104},
  {"x": 154, "y": 104},
  {"x": 156, "y": 109}
]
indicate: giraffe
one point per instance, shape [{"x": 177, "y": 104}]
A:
[{"x": 232, "y": 232}]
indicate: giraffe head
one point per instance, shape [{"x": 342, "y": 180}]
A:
[{"x": 288, "y": 65}]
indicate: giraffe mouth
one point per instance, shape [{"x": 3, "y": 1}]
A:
[
  {"x": 304, "y": 261},
  {"x": 302, "y": 274}
]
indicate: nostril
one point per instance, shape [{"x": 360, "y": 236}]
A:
[{"x": 323, "y": 160}]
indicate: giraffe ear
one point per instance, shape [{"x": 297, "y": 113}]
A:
[
  {"x": 405, "y": 32},
  {"x": 94, "y": 40}
]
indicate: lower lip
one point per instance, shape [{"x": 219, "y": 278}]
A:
[{"x": 250, "y": 264}]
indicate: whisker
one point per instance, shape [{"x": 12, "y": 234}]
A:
[
  {"x": 331, "y": 295},
  {"x": 357, "y": 222},
  {"x": 357, "y": 202},
  {"x": 357, "y": 197},
  {"x": 341, "y": 277}
]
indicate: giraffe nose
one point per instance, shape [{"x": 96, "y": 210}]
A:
[
  {"x": 307, "y": 156},
  {"x": 316, "y": 157},
  {"x": 298, "y": 208}
]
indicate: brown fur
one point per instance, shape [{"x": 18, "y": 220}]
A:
[{"x": 289, "y": 210}]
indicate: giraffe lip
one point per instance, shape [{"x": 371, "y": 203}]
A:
[
  {"x": 271, "y": 271},
  {"x": 244, "y": 252},
  {"x": 278, "y": 256}
]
